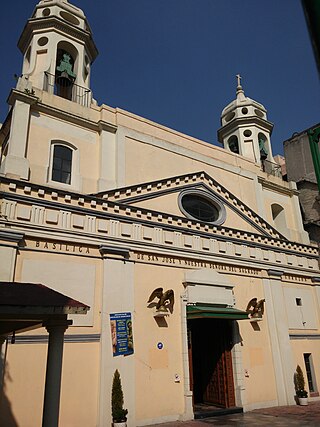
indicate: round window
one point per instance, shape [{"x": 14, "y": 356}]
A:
[
  {"x": 202, "y": 206},
  {"x": 43, "y": 41},
  {"x": 46, "y": 12},
  {"x": 247, "y": 133}
]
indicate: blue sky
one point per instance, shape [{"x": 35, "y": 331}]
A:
[{"x": 175, "y": 61}]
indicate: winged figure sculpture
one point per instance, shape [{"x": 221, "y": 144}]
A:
[
  {"x": 255, "y": 308},
  {"x": 166, "y": 299}
]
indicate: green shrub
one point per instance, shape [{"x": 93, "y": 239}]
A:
[
  {"x": 300, "y": 383},
  {"x": 119, "y": 414}
]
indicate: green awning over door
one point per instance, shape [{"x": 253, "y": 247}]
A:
[{"x": 214, "y": 312}]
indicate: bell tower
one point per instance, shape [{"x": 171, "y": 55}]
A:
[
  {"x": 245, "y": 129},
  {"x": 58, "y": 50}
]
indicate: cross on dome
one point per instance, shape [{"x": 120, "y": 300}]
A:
[{"x": 240, "y": 91}]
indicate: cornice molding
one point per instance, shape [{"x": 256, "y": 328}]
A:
[
  {"x": 275, "y": 187},
  {"x": 36, "y": 24},
  {"x": 229, "y": 127},
  {"x": 11, "y": 236},
  {"x": 17, "y": 95},
  {"x": 98, "y": 126}
]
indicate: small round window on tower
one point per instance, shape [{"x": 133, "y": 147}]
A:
[
  {"x": 247, "y": 133},
  {"x": 43, "y": 41},
  {"x": 244, "y": 110},
  {"x": 46, "y": 12}
]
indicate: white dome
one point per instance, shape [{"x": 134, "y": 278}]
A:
[
  {"x": 242, "y": 106},
  {"x": 62, "y": 9}
]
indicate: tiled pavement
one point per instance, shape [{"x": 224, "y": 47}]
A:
[{"x": 280, "y": 416}]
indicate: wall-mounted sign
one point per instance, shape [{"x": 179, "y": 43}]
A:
[{"x": 121, "y": 333}]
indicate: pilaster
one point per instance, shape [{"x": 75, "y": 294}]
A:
[
  {"x": 107, "y": 178},
  {"x": 9, "y": 241},
  {"x": 279, "y": 338},
  {"x": 16, "y": 163},
  {"x": 188, "y": 405},
  {"x": 117, "y": 297}
]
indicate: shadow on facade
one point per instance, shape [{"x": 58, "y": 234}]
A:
[{"x": 7, "y": 418}]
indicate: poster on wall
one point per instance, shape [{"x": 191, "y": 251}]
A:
[{"x": 121, "y": 333}]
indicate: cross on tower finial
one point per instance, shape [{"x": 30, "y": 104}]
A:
[{"x": 239, "y": 91}]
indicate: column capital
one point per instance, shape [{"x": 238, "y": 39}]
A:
[
  {"x": 113, "y": 250},
  {"x": 9, "y": 235},
  {"x": 55, "y": 324},
  {"x": 275, "y": 273}
]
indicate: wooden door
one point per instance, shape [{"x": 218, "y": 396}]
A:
[
  {"x": 220, "y": 389},
  {"x": 210, "y": 358}
]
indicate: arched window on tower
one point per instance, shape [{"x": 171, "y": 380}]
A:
[
  {"x": 61, "y": 164},
  {"x": 233, "y": 144},
  {"x": 65, "y": 65},
  {"x": 279, "y": 218},
  {"x": 262, "y": 139}
]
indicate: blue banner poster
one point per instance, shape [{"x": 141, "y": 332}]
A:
[{"x": 121, "y": 334}]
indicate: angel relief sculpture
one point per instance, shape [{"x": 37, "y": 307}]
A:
[
  {"x": 255, "y": 308},
  {"x": 166, "y": 300}
]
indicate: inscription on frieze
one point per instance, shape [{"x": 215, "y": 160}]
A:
[
  {"x": 187, "y": 262},
  {"x": 62, "y": 247}
]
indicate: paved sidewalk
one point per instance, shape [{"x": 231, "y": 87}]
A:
[{"x": 279, "y": 416}]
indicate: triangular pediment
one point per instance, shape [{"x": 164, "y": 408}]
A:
[{"x": 164, "y": 197}]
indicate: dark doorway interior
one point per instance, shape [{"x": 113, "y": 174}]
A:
[{"x": 210, "y": 360}]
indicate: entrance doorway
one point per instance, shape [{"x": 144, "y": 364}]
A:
[{"x": 210, "y": 362}]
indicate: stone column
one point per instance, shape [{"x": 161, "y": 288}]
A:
[
  {"x": 51, "y": 403},
  {"x": 279, "y": 338}
]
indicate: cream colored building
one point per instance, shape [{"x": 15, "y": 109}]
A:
[{"x": 105, "y": 206}]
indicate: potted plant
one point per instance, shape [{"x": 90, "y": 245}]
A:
[
  {"x": 119, "y": 415},
  {"x": 301, "y": 393}
]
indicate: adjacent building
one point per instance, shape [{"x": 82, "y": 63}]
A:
[
  {"x": 202, "y": 284},
  {"x": 302, "y": 166}
]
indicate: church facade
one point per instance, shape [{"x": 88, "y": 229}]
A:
[{"x": 203, "y": 286}]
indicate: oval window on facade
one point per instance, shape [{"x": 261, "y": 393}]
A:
[{"x": 202, "y": 206}]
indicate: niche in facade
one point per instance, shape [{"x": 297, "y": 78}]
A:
[{"x": 279, "y": 218}]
